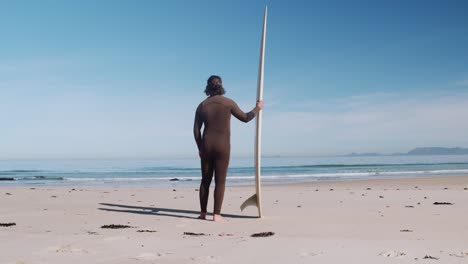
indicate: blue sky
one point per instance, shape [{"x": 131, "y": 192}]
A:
[{"x": 121, "y": 79}]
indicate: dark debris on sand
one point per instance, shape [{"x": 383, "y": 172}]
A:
[
  {"x": 406, "y": 230},
  {"x": 263, "y": 234},
  {"x": 225, "y": 234},
  {"x": 7, "y": 224},
  {"x": 116, "y": 226},
  {"x": 442, "y": 203},
  {"x": 430, "y": 257},
  {"x": 146, "y": 231},
  {"x": 195, "y": 234}
]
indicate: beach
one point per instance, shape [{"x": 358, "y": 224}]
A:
[{"x": 406, "y": 220}]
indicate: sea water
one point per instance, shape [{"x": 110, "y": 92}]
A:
[{"x": 178, "y": 172}]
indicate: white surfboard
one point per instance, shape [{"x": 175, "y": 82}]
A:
[{"x": 255, "y": 200}]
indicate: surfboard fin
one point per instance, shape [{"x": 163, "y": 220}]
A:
[{"x": 251, "y": 201}]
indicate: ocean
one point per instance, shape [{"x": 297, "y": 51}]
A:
[{"x": 185, "y": 172}]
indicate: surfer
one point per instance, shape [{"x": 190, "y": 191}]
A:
[{"x": 214, "y": 146}]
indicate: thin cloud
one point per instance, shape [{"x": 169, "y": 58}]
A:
[
  {"x": 462, "y": 83},
  {"x": 371, "y": 123}
]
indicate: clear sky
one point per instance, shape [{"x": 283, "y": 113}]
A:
[{"x": 122, "y": 79}]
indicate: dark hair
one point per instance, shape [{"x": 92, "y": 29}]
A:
[{"x": 212, "y": 88}]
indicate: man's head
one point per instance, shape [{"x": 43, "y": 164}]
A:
[{"x": 214, "y": 86}]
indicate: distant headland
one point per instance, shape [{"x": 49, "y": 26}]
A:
[{"x": 419, "y": 151}]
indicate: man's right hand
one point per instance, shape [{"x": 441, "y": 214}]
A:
[{"x": 260, "y": 104}]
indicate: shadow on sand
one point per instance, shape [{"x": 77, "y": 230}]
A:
[{"x": 178, "y": 213}]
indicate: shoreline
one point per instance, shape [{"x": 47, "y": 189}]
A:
[
  {"x": 436, "y": 179},
  {"x": 173, "y": 184}
]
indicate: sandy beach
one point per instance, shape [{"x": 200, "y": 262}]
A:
[{"x": 420, "y": 220}]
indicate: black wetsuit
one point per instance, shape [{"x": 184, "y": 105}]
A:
[{"x": 215, "y": 145}]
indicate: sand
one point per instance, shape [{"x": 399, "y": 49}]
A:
[{"x": 368, "y": 221}]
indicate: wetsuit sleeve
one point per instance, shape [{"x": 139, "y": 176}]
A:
[
  {"x": 239, "y": 114},
  {"x": 197, "y": 124}
]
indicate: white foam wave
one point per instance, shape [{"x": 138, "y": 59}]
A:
[{"x": 283, "y": 176}]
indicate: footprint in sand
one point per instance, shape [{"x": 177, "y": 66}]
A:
[
  {"x": 207, "y": 259},
  {"x": 68, "y": 249},
  {"x": 310, "y": 254},
  {"x": 213, "y": 259},
  {"x": 459, "y": 255},
  {"x": 114, "y": 238},
  {"x": 392, "y": 254},
  {"x": 149, "y": 256}
]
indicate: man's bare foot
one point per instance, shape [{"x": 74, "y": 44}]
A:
[
  {"x": 202, "y": 216},
  {"x": 219, "y": 218}
]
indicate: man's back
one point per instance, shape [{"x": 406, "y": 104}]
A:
[{"x": 216, "y": 115}]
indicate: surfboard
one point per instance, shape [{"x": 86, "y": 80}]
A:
[{"x": 255, "y": 200}]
